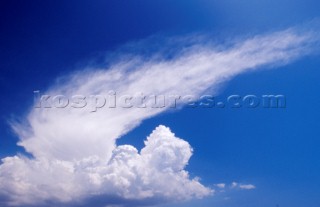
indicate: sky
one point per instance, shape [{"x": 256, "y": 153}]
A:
[{"x": 159, "y": 156}]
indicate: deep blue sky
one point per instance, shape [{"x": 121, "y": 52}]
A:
[{"x": 278, "y": 150}]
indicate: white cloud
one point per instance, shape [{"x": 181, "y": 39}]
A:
[
  {"x": 154, "y": 173},
  {"x": 221, "y": 185},
  {"x": 75, "y": 154},
  {"x": 235, "y": 185},
  {"x": 247, "y": 186}
]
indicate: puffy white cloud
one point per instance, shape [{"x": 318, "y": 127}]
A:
[
  {"x": 155, "y": 173},
  {"x": 76, "y": 159}
]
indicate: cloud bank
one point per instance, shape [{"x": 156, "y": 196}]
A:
[{"x": 75, "y": 156}]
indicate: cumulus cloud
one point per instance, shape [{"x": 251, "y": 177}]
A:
[
  {"x": 157, "y": 172},
  {"x": 75, "y": 156}
]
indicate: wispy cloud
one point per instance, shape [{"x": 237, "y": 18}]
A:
[
  {"x": 247, "y": 186},
  {"x": 235, "y": 185},
  {"x": 76, "y": 159},
  {"x": 223, "y": 187}
]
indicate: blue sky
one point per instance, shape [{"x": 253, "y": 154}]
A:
[{"x": 276, "y": 150}]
